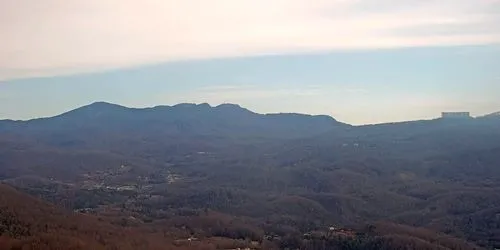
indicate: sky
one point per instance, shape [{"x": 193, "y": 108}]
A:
[{"x": 360, "y": 61}]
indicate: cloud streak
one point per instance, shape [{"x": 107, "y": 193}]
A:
[
  {"x": 242, "y": 93},
  {"x": 58, "y": 36},
  {"x": 349, "y": 103}
]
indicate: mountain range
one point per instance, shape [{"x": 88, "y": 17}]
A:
[{"x": 227, "y": 174}]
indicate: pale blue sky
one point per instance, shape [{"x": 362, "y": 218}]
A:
[
  {"x": 361, "y": 86},
  {"x": 361, "y": 61}
]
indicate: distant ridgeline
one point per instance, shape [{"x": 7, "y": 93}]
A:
[{"x": 455, "y": 115}]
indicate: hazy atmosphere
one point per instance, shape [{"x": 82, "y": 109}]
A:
[
  {"x": 250, "y": 124},
  {"x": 359, "y": 61}
]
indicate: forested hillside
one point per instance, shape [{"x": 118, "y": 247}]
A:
[{"x": 225, "y": 176}]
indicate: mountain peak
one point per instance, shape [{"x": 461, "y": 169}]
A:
[
  {"x": 192, "y": 105},
  {"x": 102, "y": 105},
  {"x": 232, "y": 108},
  {"x": 184, "y": 118},
  {"x": 228, "y": 105},
  {"x": 95, "y": 109}
]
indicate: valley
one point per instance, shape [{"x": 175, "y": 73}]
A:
[{"x": 199, "y": 176}]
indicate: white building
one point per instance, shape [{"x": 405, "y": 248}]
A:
[{"x": 454, "y": 115}]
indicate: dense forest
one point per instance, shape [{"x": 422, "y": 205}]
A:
[{"x": 201, "y": 177}]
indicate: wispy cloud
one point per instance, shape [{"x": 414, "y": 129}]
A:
[
  {"x": 241, "y": 93},
  {"x": 218, "y": 93},
  {"x": 356, "y": 90},
  {"x": 346, "y": 102},
  {"x": 59, "y": 36}
]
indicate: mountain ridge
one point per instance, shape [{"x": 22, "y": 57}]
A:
[
  {"x": 101, "y": 107},
  {"x": 185, "y": 120},
  {"x": 106, "y": 107},
  {"x": 177, "y": 164}
]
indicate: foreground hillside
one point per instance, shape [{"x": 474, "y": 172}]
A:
[
  {"x": 28, "y": 223},
  {"x": 271, "y": 181}
]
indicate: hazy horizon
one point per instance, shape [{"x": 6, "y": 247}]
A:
[
  {"x": 358, "y": 61},
  {"x": 215, "y": 105}
]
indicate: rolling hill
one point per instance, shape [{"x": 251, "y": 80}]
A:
[
  {"x": 188, "y": 167},
  {"x": 29, "y": 223}
]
